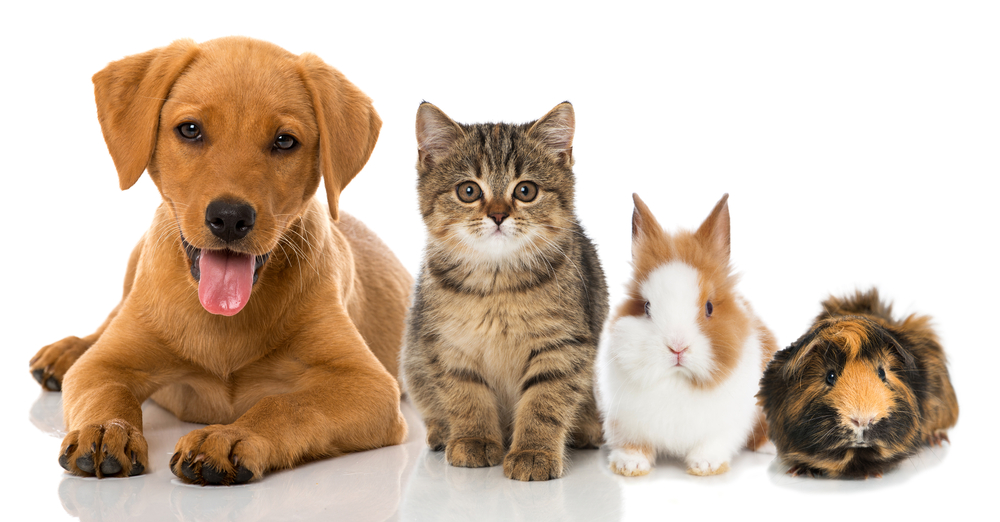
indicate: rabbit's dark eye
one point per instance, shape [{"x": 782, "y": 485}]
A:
[
  {"x": 831, "y": 377},
  {"x": 646, "y": 307},
  {"x": 881, "y": 373},
  {"x": 708, "y": 309}
]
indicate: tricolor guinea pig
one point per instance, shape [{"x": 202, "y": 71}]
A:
[{"x": 859, "y": 392}]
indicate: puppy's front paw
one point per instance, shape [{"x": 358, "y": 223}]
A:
[
  {"x": 112, "y": 449},
  {"x": 532, "y": 465},
  {"x": 629, "y": 462},
  {"x": 473, "y": 452},
  {"x": 220, "y": 455},
  {"x": 50, "y": 364}
]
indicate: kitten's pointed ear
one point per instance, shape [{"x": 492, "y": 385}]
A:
[
  {"x": 436, "y": 133},
  {"x": 555, "y": 130},
  {"x": 715, "y": 230}
]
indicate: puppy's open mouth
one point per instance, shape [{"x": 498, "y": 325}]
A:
[{"x": 225, "y": 278}]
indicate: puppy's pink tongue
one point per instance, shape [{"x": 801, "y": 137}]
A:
[{"x": 226, "y": 281}]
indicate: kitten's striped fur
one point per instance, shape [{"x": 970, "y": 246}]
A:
[{"x": 510, "y": 300}]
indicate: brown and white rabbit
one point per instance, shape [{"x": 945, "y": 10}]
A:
[
  {"x": 681, "y": 359},
  {"x": 859, "y": 392}
]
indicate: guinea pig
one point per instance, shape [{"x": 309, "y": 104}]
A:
[{"x": 859, "y": 392}]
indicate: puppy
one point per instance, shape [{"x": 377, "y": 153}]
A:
[{"x": 246, "y": 306}]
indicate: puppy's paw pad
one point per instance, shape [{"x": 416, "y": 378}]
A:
[
  {"x": 630, "y": 463},
  {"x": 473, "y": 452},
  {"x": 219, "y": 455},
  {"x": 704, "y": 468},
  {"x": 528, "y": 465},
  {"x": 49, "y": 365},
  {"x": 112, "y": 449}
]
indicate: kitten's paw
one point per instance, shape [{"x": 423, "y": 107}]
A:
[
  {"x": 473, "y": 452},
  {"x": 532, "y": 465},
  {"x": 588, "y": 435},
  {"x": 112, "y": 449},
  {"x": 705, "y": 467},
  {"x": 437, "y": 434},
  {"x": 629, "y": 462}
]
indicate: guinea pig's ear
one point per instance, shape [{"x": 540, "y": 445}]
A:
[
  {"x": 714, "y": 232},
  {"x": 798, "y": 353},
  {"x": 348, "y": 126},
  {"x": 904, "y": 354},
  {"x": 436, "y": 133},
  {"x": 130, "y": 94}
]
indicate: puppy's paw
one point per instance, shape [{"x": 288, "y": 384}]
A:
[
  {"x": 629, "y": 462},
  {"x": 220, "y": 455},
  {"x": 705, "y": 467},
  {"x": 50, "y": 364},
  {"x": 473, "y": 452},
  {"x": 112, "y": 449},
  {"x": 532, "y": 465}
]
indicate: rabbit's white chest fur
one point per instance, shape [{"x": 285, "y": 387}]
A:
[{"x": 643, "y": 403}]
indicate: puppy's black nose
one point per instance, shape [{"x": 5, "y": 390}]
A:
[{"x": 230, "y": 221}]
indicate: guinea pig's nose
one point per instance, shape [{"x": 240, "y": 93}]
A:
[{"x": 862, "y": 421}]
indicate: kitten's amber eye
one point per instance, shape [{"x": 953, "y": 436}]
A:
[
  {"x": 469, "y": 191},
  {"x": 525, "y": 191}
]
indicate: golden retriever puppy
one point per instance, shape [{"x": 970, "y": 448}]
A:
[{"x": 249, "y": 304}]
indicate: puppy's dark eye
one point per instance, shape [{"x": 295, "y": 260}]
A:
[
  {"x": 881, "y": 373},
  {"x": 469, "y": 191},
  {"x": 708, "y": 309},
  {"x": 646, "y": 307},
  {"x": 831, "y": 377},
  {"x": 189, "y": 131},
  {"x": 526, "y": 191},
  {"x": 284, "y": 142}
]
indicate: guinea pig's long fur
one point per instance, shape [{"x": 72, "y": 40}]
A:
[{"x": 859, "y": 392}]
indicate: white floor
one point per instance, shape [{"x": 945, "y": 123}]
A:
[{"x": 409, "y": 482}]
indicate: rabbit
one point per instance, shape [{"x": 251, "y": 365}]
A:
[
  {"x": 859, "y": 392},
  {"x": 681, "y": 358}
]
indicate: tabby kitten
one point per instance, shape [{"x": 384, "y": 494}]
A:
[{"x": 510, "y": 300}]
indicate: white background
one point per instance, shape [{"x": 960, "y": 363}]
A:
[{"x": 858, "y": 142}]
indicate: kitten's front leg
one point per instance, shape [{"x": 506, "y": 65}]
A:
[
  {"x": 475, "y": 439},
  {"x": 554, "y": 386}
]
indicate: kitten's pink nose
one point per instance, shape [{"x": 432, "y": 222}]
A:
[{"x": 498, "y": 218}]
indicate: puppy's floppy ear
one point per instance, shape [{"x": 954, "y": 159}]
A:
[
  {"x": 348, "y": 125},
  {"x": 129, "y": 95},
  {"x": 714, "y": 232}
]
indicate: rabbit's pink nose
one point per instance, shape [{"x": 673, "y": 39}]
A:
[{"x": 672, "y": 350}]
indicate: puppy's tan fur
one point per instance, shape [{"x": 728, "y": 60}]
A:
[{"x": 306, "y": 370}]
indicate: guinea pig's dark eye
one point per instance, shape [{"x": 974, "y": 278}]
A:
[
  {"x": 189, "y": 131},
  {"x": 526, "y": 191},
  {"x": 831, "y": 377},
  {"x": 646, "y": 308},
  {"x": 708, "y": 309},
  {"x": 285, "y": 142},
  {"x": 468, "y": 191},
  {"x": 881, "y": 373}
]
